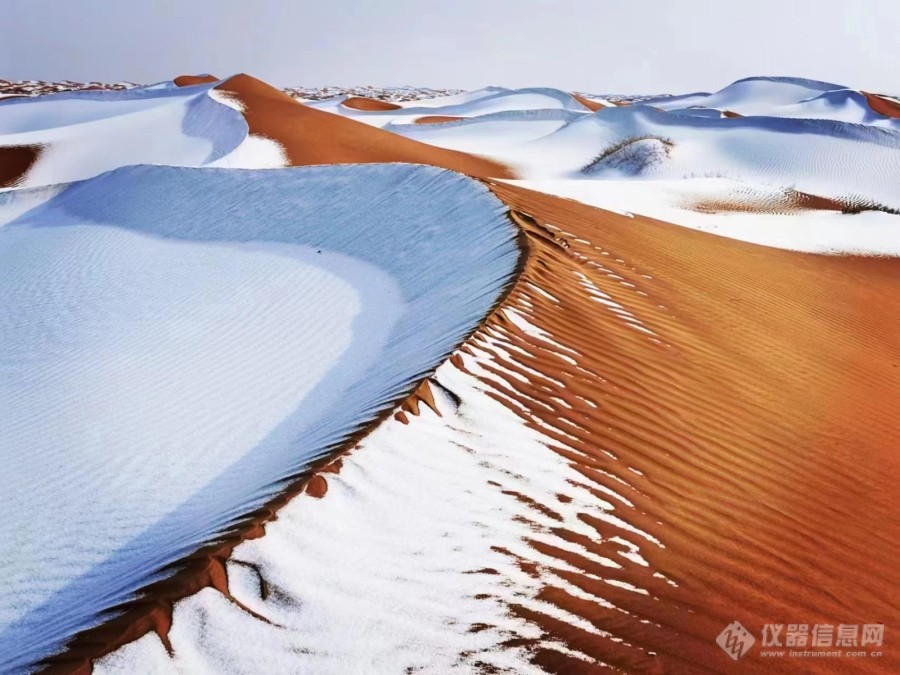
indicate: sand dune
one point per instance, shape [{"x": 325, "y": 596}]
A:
[
  {"x": 593, "y": 106},
  {"x": 310, "y": 136},
  {"x": 362, "y": 103},
  {"x": 697, "y": 395},
  {"x": 191, "y": 80},
  {"x": 660, "y": 480},
  {"x": 247, "y": 302},
  {"x": 436, "y": 119},
  {"x": 655, "y": 430},
  {"x": 883, "y": 106},
  {"x": 85, "y": 133}
]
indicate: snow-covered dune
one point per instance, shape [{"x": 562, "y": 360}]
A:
[
  {"x": 473, "y": 104},
  {"x": 371, "y": 415},
  {"x": 692, "y": 160},
  {"x": 182, "y": 343},
  {"x": 751, "y": 96},
  {"x": 82, "y": 134}
]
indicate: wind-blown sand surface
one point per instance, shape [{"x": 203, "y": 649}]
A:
[
  {"x": 676, "y": 484},
  {"x": 436, "y": 119},
  {"x": 657, "y": 432},
  {"x": 191, "y": 301},
  {"x": 361, "y": 103},
  {"x": 310, "y": 136}
]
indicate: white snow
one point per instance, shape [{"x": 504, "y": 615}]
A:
[
  {"x": 489, "y": 101},
  {"x": 414, "y": 543},
  {"x": 640, "y": 159},
  {"x": 830, "y": 232},
  {"x": 83, "y": 134},
  {"x": 180, "y": 343}
]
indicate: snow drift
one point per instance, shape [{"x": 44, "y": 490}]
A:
[{"x": 208, "y": 335}]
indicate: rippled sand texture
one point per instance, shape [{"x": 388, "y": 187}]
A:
[
  {"x": 659, "y": 432},
  {"x": 737, "y": 404}
]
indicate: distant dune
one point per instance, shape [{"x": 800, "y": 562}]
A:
[
  {"x": 360, "y": 103},
  {"x": 310, "y": 136},
  {"x": 190, "y": 80},
  {"x": 437, "y": 119}
]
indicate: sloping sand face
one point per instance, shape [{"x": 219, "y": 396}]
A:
[
  {"x": 593, "y": 106},
  {"x": 436, "y": 119},
  {"x": 883, "y": 106},
  {"x": 310, "y": 136},
  {"x": 207, "y": 338},
  {"x": 734, "y": 403},
  {"x": 369, "y": 104},
  {"x": 705, "y": 434},
  {"x": 15, "y": 161}
]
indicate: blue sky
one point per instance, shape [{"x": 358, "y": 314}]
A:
[{"x": 589, "y": 45}]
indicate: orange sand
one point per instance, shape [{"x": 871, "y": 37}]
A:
[
  {"x": 190, "y": 80},
  {"x": 788, "y": 202},
  {"x": 436, "y": 119},
  {"x": 882, "y": 105},
  {"x": 369, "y": 104},
  {"x": 588, "y": 103},
  {"x": 311, "y": 136},
  {"x": 760, "y": 415}
]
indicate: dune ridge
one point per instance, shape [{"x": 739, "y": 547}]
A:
[
  {"x": 698, "y": 430},
  {"x": 311, "y": 136},
  {"x": 663, "y": 367}
]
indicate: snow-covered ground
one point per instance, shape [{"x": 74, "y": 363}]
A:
[
  {"x": 675, "y": 201},
  {"x": 672, "y": 157},
  {"x": 409, "y": 564},
  {"x": 180, "y": 343},
  {"x": 81, "y": 134}
]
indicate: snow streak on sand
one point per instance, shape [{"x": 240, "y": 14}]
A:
[
  {"x": 205, "y": 337},
  {"x": 618, "y": 447},
  {"x": 759, "y": 214},
  {"x": 401, "y": 567}
]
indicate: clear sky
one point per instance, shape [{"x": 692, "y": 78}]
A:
[{"x": 598, "y": 46}]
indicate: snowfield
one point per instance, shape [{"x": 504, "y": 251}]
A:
[
  {"x": 672, "y": 157},
  {"x": 205, "y": 337}
]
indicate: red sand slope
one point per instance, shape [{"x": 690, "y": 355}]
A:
[
  {"x": 311, "y": 136},
  {"x": 588, "y": 103},
  {"x": 761, "y": 415},
  {"x": 190, "y": 80},
  {"x": 369, "y": 104},
  {"x": 883, "y": 106}
]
